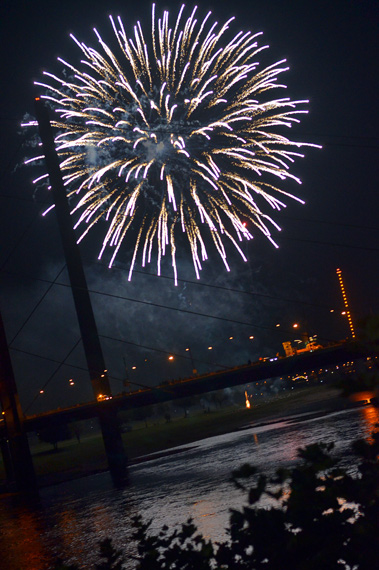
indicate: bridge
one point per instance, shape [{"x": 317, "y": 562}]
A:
[
  {"x": 245, "y": 374},
  {"x": 20, "y": 461}
]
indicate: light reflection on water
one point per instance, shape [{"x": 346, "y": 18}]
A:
[{"x": 72, "y": 517}]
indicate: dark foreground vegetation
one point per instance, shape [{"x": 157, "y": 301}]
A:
[{"x": 324, "y": 517}]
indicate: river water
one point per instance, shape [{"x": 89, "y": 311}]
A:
[{"x": 71, "y": 518}]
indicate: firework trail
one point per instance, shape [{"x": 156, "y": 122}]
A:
[{"x": 173, "y": 136}]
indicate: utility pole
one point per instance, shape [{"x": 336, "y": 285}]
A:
[
  {"x": 90, "y": 338},
  {"x": 17, "y": 457}
]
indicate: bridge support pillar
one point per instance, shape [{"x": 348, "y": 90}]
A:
[
  {"x": 15, "y": 446},
  {"x": 92, "y": 348}
]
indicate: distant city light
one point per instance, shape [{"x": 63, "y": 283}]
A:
[
  {"x": 171, "y": 358},
  {"x": 210, "y": 347},
  {"x": 251, "y": 337},
  {"x": 102, "y": 397},
  {"x": 134, "y": 367}
]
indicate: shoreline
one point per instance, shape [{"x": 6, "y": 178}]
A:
[
  {"x": 77, "y": 460},
  {"x": 301, "y": 411}
]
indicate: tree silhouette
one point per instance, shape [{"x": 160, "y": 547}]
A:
[{"x": 55, "y": 433}]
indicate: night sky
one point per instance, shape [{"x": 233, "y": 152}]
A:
[{"x": 332, "y": 50}]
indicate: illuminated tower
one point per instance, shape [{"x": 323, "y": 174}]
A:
[{"x": 339, "y": 273}]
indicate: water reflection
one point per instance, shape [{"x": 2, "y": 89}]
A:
[
  {"x": 22, "y": 537},
  {"x": 72, "y": 517},
  {"x": 204, "y": 513},
  {"x": 370, "y": 413},
  {"x": 87, "y": 519},
  {"x": 371, "y": 418}
]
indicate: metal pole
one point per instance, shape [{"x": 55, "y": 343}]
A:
[
  {"x": 17, "y": 457},
  {"x": 90, "y": 338}
]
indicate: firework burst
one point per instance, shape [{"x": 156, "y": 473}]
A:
[{"x": 175, "y": 135}]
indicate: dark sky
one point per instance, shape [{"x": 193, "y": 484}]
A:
[{"x": 332, "y": 50}]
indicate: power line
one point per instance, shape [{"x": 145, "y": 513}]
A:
[
  {"x": 61, "y": 363},
  {"x": 158, "y": 305},
  {"x": 163, "y": 351},
  {"x": 168, "y": 277},
  {"x": 196, "y": 313},
  {"x": 25, "y": 199},
  {"x": 282, "y": 216},
  {"x": 259, "y": 235},
  {"x": 318, "y": 136},
  {"x": 11, "y": 162},
  {"x": 52, "y": 375},
  {"x": 18, "y": 242},
  {"x": 36, "y": 306},
  {"x": 64, "y": 363},
  {"x": 46, "y": 358},
  {"x": 313, "y": 221},
  {"x": 328, "y": 243},
  {"x": 212, "y": 286}
]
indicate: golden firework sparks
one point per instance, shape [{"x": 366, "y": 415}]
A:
[{"x": 178, "y": 135}]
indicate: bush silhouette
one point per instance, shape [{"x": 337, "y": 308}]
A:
[{"x": 324, "y": 517}]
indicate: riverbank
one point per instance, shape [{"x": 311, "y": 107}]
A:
[{"x": 73, "y": 460}]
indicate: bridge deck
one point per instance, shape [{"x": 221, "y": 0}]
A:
[{"x": 245, "y": 374}]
